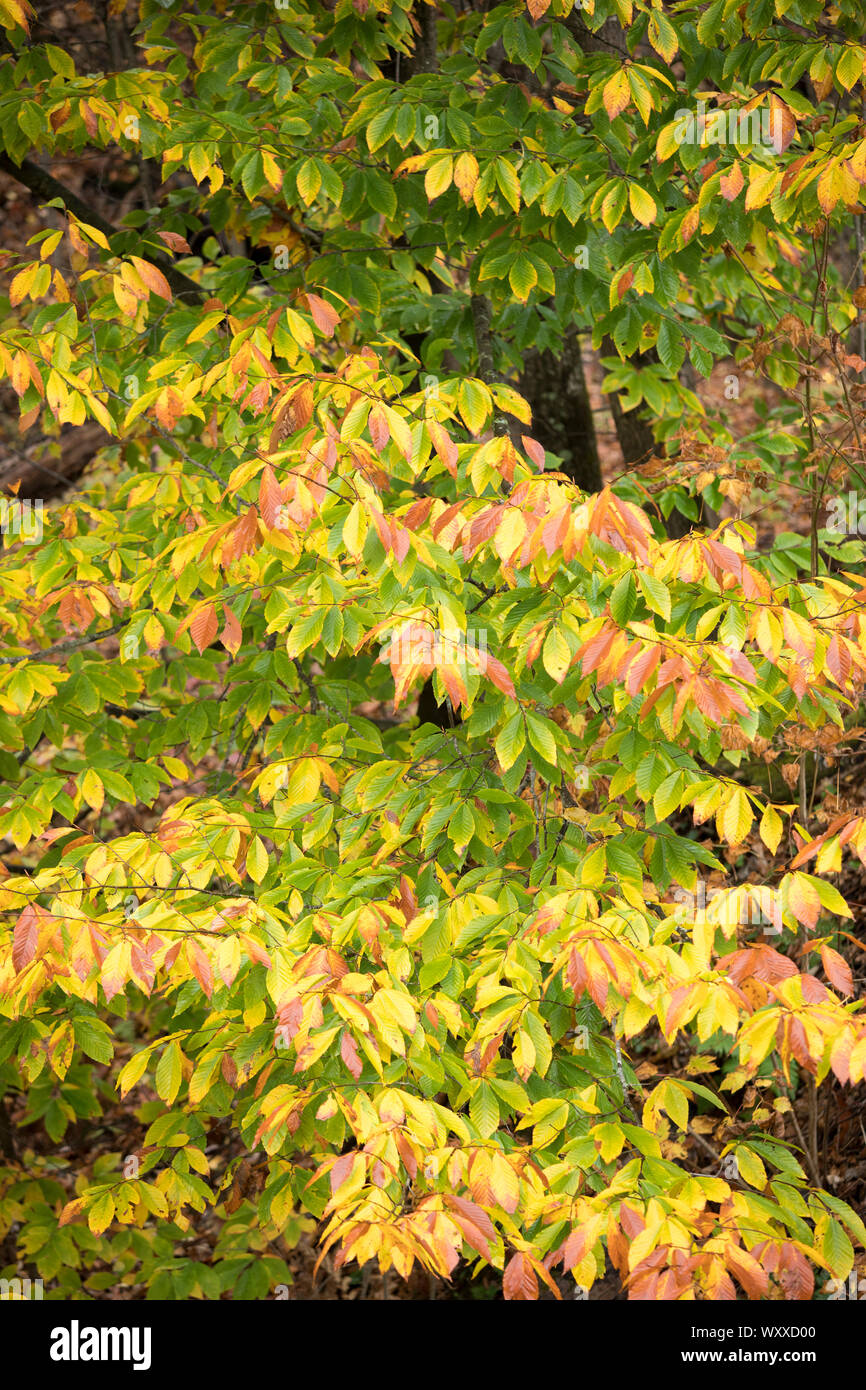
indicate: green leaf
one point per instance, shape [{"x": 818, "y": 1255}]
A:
[
  {"x": 656, "y": 594},
  {"x": 93, "y": 1037},
  {"x": 484, "y": 1110},
  {"x": 837, "y": 1250},
  {"x": 169, "y": 1072},
  {"x": 541, "y": 737},
  {"x": 510, "y": 741},
  {"x": 623, "y": 600},
  {"x": 670, "y": 346}
]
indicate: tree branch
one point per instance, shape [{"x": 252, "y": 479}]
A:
[{"x": 46, "y": 187}]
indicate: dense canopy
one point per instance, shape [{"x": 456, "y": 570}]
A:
[{"x": 553, "y": 979}]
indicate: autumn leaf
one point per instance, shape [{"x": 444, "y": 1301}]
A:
[
  {"x": 204, "y": 626},
  {"x": 519, "y": 1281}
]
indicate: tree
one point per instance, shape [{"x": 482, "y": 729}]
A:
[{"x": 407, "y": 973}]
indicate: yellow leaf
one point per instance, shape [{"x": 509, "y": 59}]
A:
[
  {"x": 556, "y": 655},
  {"x": 762, "y": 185},
  {"x": 676, "y": 1104},
  {"x": 354, "y": 530},
  {"x": 642, "y": 204},
  {"x": 523, "y": 1054},
  {"x": 438, "y": 177},
  {"x": 831, "y": 186},
  {"x": 133, "y": 1071},
  {"x": 95, "y": 235},
  {"x": 92, "y": 790},
  {"x": 257, "y": 860},
  {"x": 509, "y": 534},
  {"x": 22, "y": 282},
  {"x": 466, "y": 175},
  {"x": 503, "y": 1183},
  {"x": 50, "y": 244},
  {"x": 750, "y": 1167},
  {"x": 273, "y": 173},
  {"x": 662, "y": 36},
  {"x": 668, "y": 142},
  {"x": 734, "y": 819},
  {"x": 101, "y": 1214},
  {"x": 616, "y": 94},
  {"x": 198, "y": 163},
  {"x": 771, "y": 828}
]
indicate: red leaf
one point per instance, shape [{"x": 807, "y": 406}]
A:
[
  {"x": 472, "y": 1213},
  {"x": 204, "y": 627},
  {"x": 380, "y": 430},
  {"x": 201, "y": 966},
  {"x": 574, "y": 1248},
  {"x": 76, "y": 610},
  {"x": 418, "y": 513},
  {"x": 473, "y": 1236},
  {"x": 453, "y": 682},
  {"x": 746, "y": 1271},
  {"x": 289, "y": 1018},
  {"x": 349, "y": 1054},
  {"x": 341, "y": 1170},
  {"x": 813, "y": 991},
  {"x": 838, "y": 970},
  {"x": 325, "y": 316},
  {"x": 497, "y": 673},
  {"x": 533, "y": 450},
  {"x": 731, "y": 183},
  {"x": 176, "y": 242},
  {"x": 270, "y": 499},
  {"x": 519, "y": 1282},
  {"x": 839, "y": 661},
  {"x": 625, "y": 281},
  {"x": 25, "y": 937},
  {"x": 243, "y": 537},
  {"x": 444, "y": 445}
]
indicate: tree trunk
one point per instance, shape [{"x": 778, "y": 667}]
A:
[{"x": 562, "y": 422}]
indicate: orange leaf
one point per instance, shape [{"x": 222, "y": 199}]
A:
[
  {"x": 804, "y": 900},
  {"x": 270, "y": 499},
  {"x": 380, "y": 430},
  {"x": 243, "y": 538},
  {"x": 325, "y": 316},
  {"x": 349, "y": 1054},
  {"x": 444, "y": 446},
  {"x": 231, "y": 635},
  {"x": 838, "y": 970},
  {"x": 153, "y": 278},
  {"x": 496, "y": 672},
  {"x": 519, "y": 1282},
  {"x": 204, "y": 627},
  {"x": 731, "y": 183},
  {"x": 747, "y": 1271},
  {"x": 177, "y": 243},
  {"x": 25, "y": 937}
]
